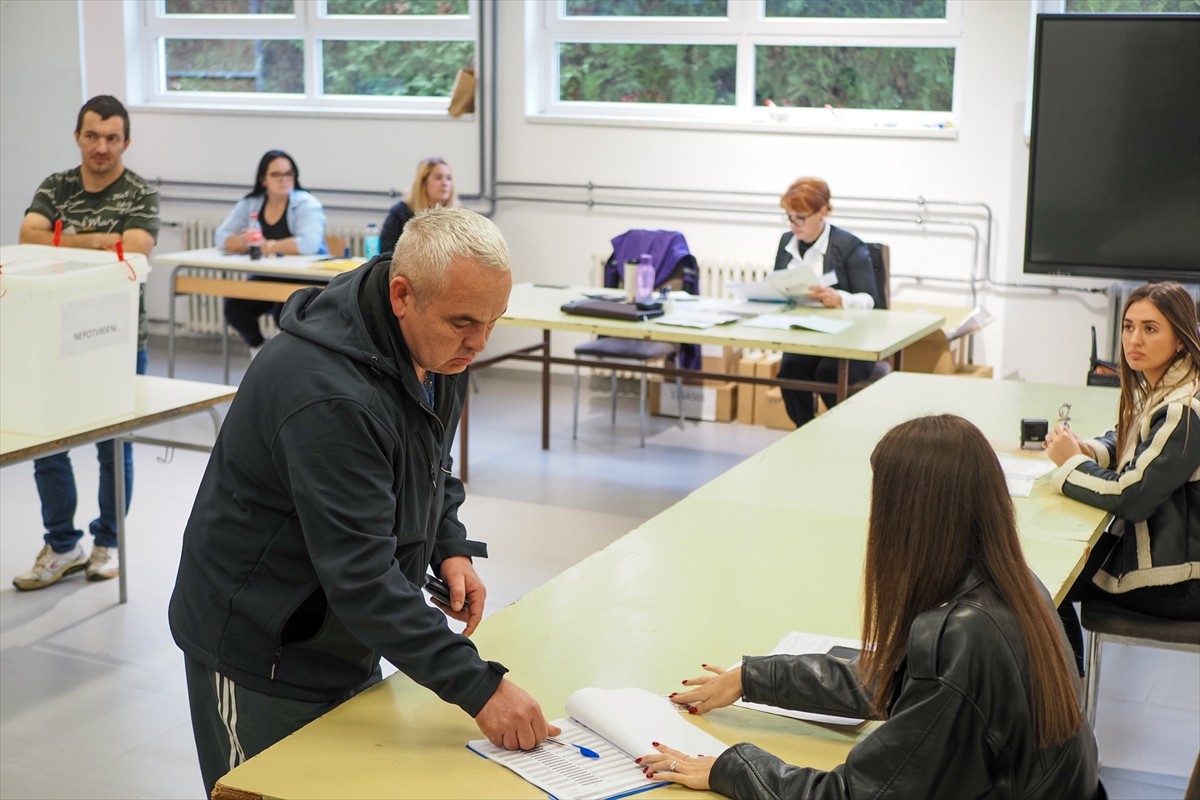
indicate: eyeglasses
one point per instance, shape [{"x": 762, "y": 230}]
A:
[
  {"x": 797, "y": 219},
  {"x": 281, "y": 175}
]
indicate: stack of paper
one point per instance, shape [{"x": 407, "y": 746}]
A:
[
  {"x": 620, "y": 725},
  {"x": 1020, "y": 472},
  {"x": 694, "y": 318},
  {"x": 812, "y": 322}
]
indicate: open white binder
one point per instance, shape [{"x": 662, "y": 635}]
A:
[
  {"x": 784, "y": 286},
  {"x": 620, "y": 725}
]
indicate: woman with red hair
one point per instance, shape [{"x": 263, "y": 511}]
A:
[{"x": 841, "y": 256}]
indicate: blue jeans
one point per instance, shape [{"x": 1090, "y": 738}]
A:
[{"x": 56, "y": 488}]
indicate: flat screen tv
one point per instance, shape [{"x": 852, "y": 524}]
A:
[{"x": 1114, "y": 150}]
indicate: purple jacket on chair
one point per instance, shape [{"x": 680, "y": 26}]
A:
[{"x": 666, "y": 249}]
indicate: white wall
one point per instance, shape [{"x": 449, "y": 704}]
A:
[
  {"x": 1039, "y": 336},
  {"x": 41, "y": 90}
]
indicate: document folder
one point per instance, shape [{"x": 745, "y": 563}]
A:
[{"x": 610, "y": 310}]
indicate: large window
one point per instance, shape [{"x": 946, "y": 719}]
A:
[
  {"x": 807, "y": 63},
  {"x": 399, "y": 55}
]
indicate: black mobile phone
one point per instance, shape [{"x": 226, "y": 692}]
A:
[
  {"x": 438, "y": 589},
  {"x": 844, "y": 654}
]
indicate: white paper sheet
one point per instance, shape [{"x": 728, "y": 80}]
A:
[
  {"x": 1021, "y": 472},
  {"x": 690, "y": 318},
  {"x": 812, "y": 322}
]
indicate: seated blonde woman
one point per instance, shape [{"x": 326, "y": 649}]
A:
[{"x": 433, "y": 185}]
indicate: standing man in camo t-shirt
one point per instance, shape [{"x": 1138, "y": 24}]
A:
[{"x": 99, "y": 203}]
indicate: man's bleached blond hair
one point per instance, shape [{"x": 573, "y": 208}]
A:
[{"x": 436, "y": 238}]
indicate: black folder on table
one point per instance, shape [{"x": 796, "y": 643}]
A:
[{"x": 611, "y": 310}]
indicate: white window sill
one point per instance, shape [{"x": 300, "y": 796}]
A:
[
  {"x": 327, "y": 112},
  {"x": 834, "y": 127}
]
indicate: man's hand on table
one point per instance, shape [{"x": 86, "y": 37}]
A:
[{"x": 513, "y": 720}]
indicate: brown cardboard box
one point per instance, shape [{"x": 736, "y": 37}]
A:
[
  {"x": 724, "y": 360},
  {"x": 931, "y": 354},
  {"x": 745, "y": 391},
  {"x": 770, "y": 412},
  {"x": 973, "y": 370},
  {"x": 934, "y": 353},
  {"x": 767, "y": 367},
  {"x": 713, "y": 401}
]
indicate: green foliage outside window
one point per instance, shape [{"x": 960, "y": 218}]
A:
[
  {"x": 858, "y": 9},
  {"x": 688, "y": 74},
  {"x": 1133, "y": 6},
  {"x": 426, "y": 8},
  {"x": 211, "y": 7},
  {"x": 646, "y": 8},
  {"x": 888, "y": 78},
  {"x": 235, "y": 65},
  {"x": 395, "y": 69}
]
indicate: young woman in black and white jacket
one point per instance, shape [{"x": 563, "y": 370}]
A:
[{"x": 1147, "y": 471}]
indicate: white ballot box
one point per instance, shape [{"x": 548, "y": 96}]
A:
[{"x": 68, "y": 337}]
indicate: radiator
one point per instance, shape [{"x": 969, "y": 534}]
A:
[
  {"x": 205, "y": 314},
  {"x": 714, "y": 275}
]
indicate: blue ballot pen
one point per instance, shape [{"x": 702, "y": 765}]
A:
[{"x": 583, "y": 750}]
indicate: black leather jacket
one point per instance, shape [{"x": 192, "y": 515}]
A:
[{"x": 959, "y": 726}]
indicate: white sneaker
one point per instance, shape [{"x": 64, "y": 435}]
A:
[
  {"x": 51, "y": 567},
  {"x": 104, "y": 564}
]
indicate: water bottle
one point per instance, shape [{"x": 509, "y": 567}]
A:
[
  {"x": 629, "y": 279},
  {"x": 371, "y": 242},
  {"x": 645, "y": 279},
  {"x": 254, "y": 237}
]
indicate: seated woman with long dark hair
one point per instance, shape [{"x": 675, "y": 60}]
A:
[
  {"x": 292, "y": 222},
  {"x": 1146, "y": 472},
  {"x": 964, "y": 656}
]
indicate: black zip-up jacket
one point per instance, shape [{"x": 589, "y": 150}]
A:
[
  {"x": 959, "y": 726},
  {"x": 327, "y": 496}
]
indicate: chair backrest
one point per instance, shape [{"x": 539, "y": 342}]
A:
[
  {"x": 881, "y": 265},
  {"x": 1101, "y": 373}
]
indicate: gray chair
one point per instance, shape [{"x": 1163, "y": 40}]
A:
[
  {"x": 629, "y": 351},
  {"x": 1109, "y": 622},
  {"x": 881, "y": 265},
  {"x": 1101, "y": 372}
]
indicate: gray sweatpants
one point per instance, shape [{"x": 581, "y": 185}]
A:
[{"x": 231, "y": 723}]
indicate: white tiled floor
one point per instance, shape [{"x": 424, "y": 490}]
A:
[{"x": 92, "y": 699}]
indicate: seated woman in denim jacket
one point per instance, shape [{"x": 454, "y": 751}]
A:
[{"x": 293, "y": 223}]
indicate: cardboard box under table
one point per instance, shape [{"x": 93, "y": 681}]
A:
[
  {"x": 711, "y": 401},
  {"x": 68, "y": 336},
  {"x": 944, "y": 352},
  {"x": 769, "y": 410}
]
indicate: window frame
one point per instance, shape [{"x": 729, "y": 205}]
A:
[
  {"x": 310, "y": 26},
  {"x": 745, "y": 27}
]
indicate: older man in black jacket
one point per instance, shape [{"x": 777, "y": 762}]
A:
[{"x": 329, "y": 494}]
